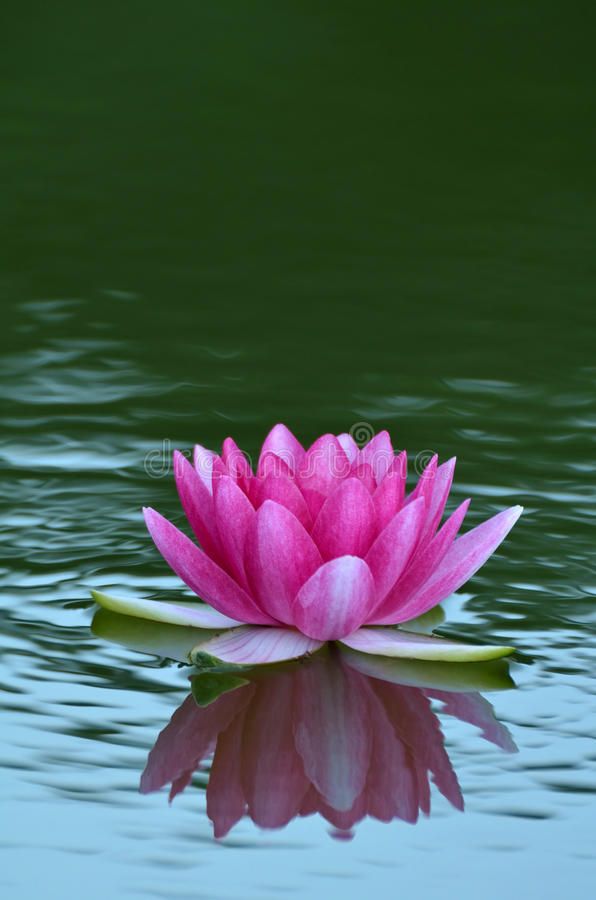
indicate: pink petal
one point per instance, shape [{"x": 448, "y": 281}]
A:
[
  {"x": 203, "y": 462},
  {"x": 254, "y": 646},
  {"x": 234, "y": 514},
  {"x": 465, "y": 557},
  {"x": 197, "y": 504},
  {"x": 426, "y": 482},
  {"x": 427, "y": 559},
  {"x": 438, "y": 498},
  {"x": 336, "y": 600},
  {"x": 200, "y": 573},
  {"x": 391, "y": 551},
  {"x": 346, "y": 522},
  {"x": 282, "y": 442},
  {"x": 280, "y": 556},
  {"x": 389, "y": 495},
  {"x": 379, "y": 454},
  {"x": 349, "y": 446},
  {"x": 324, "y": 465},
  {"x": 364, "y": 473},
  {"x": 271, "y": 464},
  {"x": 237, "y": 464},
  {"x": 282, "y": 490}
]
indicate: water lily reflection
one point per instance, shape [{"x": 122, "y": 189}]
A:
[{"x": 320, "y": 737}]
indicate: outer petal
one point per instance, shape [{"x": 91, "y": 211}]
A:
[
  {"x": 391, "y": 552},
  {"x": 426, "y": 482},
  {"x": 389, "y": 495},
  {"x": 379, "y": 454},
  {"x": 254, "y": 646},
  {"x": 282, "y": 442},
  {"x": 336, "y": 600},
  {"x": 394, "y": 642},
  {"x": 420, "y": 570},
  {"x": 346, "y": 522},
  {"x": 199, "y": 615},
  {"x": 197, "y": 504},
  {"x": 464, "y": 558},
  {"x": 234, "y": 514},
  {"x": 280, "y": 556},
  {"x": 282, "y": 490},
  {"x": 201, "y": 574},
  {"x": 324, "y": 465}
]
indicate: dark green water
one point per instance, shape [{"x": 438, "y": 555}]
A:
[{"x": 217, "y": 216}]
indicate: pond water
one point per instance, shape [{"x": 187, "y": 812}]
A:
[{"x": 223, "y": 216}]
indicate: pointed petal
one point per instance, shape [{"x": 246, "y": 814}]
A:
[
  {"x": 282, "y": 489},
  {"x": 282, "y": 442},
  {"x": 425, "y": 562},
  {"x": 395, "y": 642},
  {"x": 346, "y": 522},
  {"x": 203, "y": 462},
  {"x": 280, "y": 556},
  {"x": 200, "y": 573},
  {"x": 237, "y": 464},
  {"x": 255, "y": 646},
  {"x": 426, "y": 482},
  {"x": 199, "y": 615},
  {"x": 389, "y": 495},
  {"x": 234, "y": 514},
  {"x": 379, "y": 454},
  {"x": 349, "y": 446},
  {"x": 438, "y": 498},
  {"x": 465, "y": 557},
  {"x": 324, "y": 465},
  {"x": 197, "y": 504},
  {"x": 391, "y": 551},
  {"x": 336, "y": 600},
  {"x": 272, "y": 464}
]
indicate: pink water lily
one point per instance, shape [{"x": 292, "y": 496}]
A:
[{"x": 318, "y": 544}]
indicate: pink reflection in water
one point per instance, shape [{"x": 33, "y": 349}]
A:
[{"x": 317, "y": 737}]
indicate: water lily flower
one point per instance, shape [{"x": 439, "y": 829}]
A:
[
  {"x": 318, "y": 738},
  {"x": 319, "y": 544}
]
